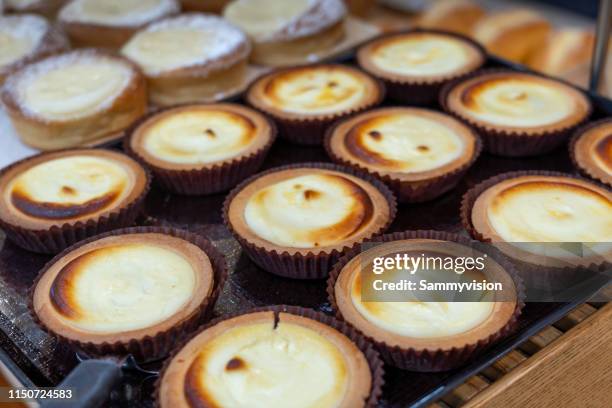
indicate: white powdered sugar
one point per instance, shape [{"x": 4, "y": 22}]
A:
[
  {"x": 116, "y": 13},
  {"x": 186, "y": 40},
  {"x": 20, "y": 36},
  {"x": 320, "y": 15},
  {"x": 65, "y": 99}
]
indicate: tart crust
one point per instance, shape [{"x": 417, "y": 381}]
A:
[
  {"x": 144, "y": 343},
  {"x": 112, "y": 36},
  {"x": 591, "y": 150},
  {"x": 203, "y": 79},
  {"x": 49, "y": 235},
  {"x": 408, "y": 186},
  {"x": 309, "y": 127},
  {"x": 107, "y": 120},
  {"x": 364, "y": 368},
  {"x": 305, "y": 263},
  {"x": 515, "y": 141},
  {"x": 419, "y": 89},
  {"x": 210, "y": 177},
  {"x": 428, "y": 353}
]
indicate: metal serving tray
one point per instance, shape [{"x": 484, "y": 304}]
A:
[{"x": 37, "y": 360}]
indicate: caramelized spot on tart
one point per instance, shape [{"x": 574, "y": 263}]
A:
[
  {"x": 67, "y": 190},
  {"x": 311, "y": 194},
  {"x": 236, "y": 363},
  {"x": 422, "y": 148},
  {"x": 210, "y": 132},
  {"x": 375, "y": 134}
]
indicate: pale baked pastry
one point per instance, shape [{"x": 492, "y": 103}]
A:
[
  {"x": 137, "y": 291},
  {"x": 265, "y": 359},
  {"x": 202, "y": 149},
  {"x": 74, "y": 99},
  {"x": 52, "y": 200},
  {"x": 564, "y": 50},
  {"x": 591, "y": 150},
  {"x": 457, "y": 16},
  {"x": 190, "y": 58},
  {"x": 538, "y": 209},
  {"x": 415, "y": 65},
  {"x": 512, "y": 34},
  {"x": 289, "y": 32},
  {"x": 110, "y": 23},
  {"x": 360, "y": 8},
  {"x": 425, "y": 335},
  {"x": 295, "y": 220},
  {"x": 420, "y": 154},
  {"x": 206, "y": 6},
  {"x": 517, "y": 114},
  {"x": 24, "y": 38},
  {"x": 304, "y": 101},
  {"x": 48, "y": 8}
]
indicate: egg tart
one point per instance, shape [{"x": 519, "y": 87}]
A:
[
  {"x": 517, "y": 114},
  {"x": 51, "y": 200},
  {"x": 110, "y": 23},
  {"x": 289, "y": 32},
  {"x": 591, "y": 150},
  {"x": 304, "y": 101},
  {"x": 48, "y": 8},
  {"x": 137, "y": 290},
  {"x": 414, "y": 65},
  {"x": 426, "y": 335},
  {"x": 296, "y": 220},
  {"x": 74, "y": 99},
  {"x": 206, "y": 6},
  {"x": 268, "y": 356},
  {"x": 24, "y": 38},
  {"x": 202, "y": 149},
  {"x": 537, "y": 217},
  {"x": 420, "y": 154},
  {"x": 190, "y": 58}
]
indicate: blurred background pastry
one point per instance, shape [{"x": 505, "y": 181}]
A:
[
  {"x": 458, "y": 16},
  {"x": 47, "y": 8},
  {"x": 360, "y": 7},
  {"x": 288, "y": 32},
  {"x": 207, "y": 6},
  {"x": 110, "y": 23},
  {"x": 25, "y": 37},
  {"x": 192, "y": 57},
  {"x": 512, "y": 34}
]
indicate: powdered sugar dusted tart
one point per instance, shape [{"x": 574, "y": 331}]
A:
[
  {"x": 518, "y": 114},
  {"x": 51, "y": 200},
  {"x": 74, "y": 99},
  {"x": 419, "y": 153},
  {"x": 204, "y": 148},
  {"x": 190, "y": 58},
  {"x": 591, "y": 150},
  {"x": 288, "y": 31},
  {"x": 111, "y": 23},
  {"x": 25, "y": 37}
]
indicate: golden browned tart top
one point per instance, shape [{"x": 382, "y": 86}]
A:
[{"x": 592, "y": 151}]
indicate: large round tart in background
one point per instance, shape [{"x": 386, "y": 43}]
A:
[
  {"x": 137, "y": 290},
  {"x": 295, "y": 221},
  {"x": 52, "y": 200}
]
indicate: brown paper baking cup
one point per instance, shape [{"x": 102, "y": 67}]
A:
[
  {"x": 503, "y": 142},
  {"x": 411, "y": 191},
  {"x": 159, "y": 345},
  {"x": 535, "y": 275},
  {"x": 572, "y": 150},
  {"x": 312, "y": 265},
  {"x": 371, "y": 355},
  {"x": 206, "y": 180},
  {"x": 59, "y": 237},
  {"x": 432, "y": 360},
  {"x": 310, "y": 130},
  {"x": 419, "y": 91}
]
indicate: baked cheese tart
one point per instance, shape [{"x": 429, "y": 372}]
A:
[
  {"x": 288, "y": 32},
  {"x": 202, "y": 149},
  {"x": 110, "y": 23},
  {"x": 190, "y": 58},
  {"x": 136, "y": 290},
  {"x": 591, "y": 150},
  {"x": 304, "y": 101},
  {"x": 517, "y": 114},
  {"x": 419, "y": 153},
  {"x": 265, "y": 359},
  {"x": 414, "y": 65},
  {"x": 52, "y": 200},
  {"x": 78, "y": 98},
  {"x": 24, "y": 38}
]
